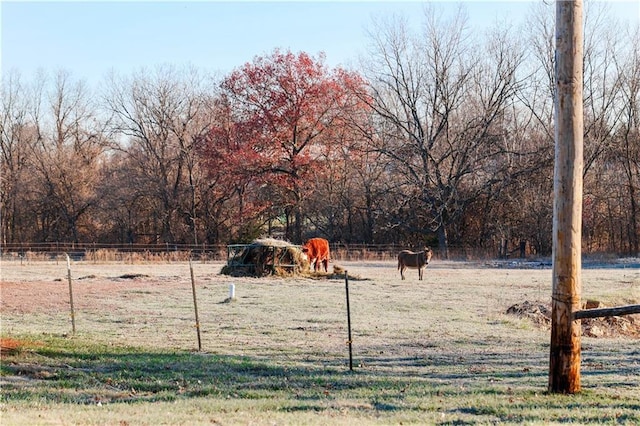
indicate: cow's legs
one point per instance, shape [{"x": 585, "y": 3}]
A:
[
  {"x": 420, "y": 270},
  {"x": 326, "y": 265},
  {"x": 402, "y": 268}
]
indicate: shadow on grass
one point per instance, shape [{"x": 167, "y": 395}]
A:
[{"x": 63, "y": 372}]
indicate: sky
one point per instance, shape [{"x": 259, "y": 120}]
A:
[{"x": 91, "y": 38}]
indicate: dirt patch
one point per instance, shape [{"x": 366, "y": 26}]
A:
[
  {"x": 623, "y": 326},
  {"x": 540, "y": 315},
  {"x": 130, "y": 276}
]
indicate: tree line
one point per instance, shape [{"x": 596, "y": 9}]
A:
[{"x": 440, "y": 136}]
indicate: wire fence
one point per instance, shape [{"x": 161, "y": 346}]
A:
[{"x": 170, "y": 252}]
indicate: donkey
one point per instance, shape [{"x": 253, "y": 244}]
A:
[{"x": 409, "y": 259}]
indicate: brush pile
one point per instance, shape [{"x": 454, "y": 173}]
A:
[{"x": 607, "y": 327}]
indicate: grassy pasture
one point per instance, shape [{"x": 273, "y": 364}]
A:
[{"x": 438, "y": 351}]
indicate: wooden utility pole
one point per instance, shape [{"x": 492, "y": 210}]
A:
[{"x": 564, "y": 366}]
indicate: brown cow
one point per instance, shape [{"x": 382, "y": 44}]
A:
[
  {"x": 409, "y": 259},
  {"x": 317, "y": 250}
]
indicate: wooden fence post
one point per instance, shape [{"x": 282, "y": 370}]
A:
[{"x": 564, "y": 365}]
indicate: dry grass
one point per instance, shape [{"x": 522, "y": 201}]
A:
[
  {"x": 113, "y": 256},
  {"x": 442, "y": 350}
]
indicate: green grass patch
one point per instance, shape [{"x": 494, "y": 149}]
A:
[{"x": 73, "y": 372}]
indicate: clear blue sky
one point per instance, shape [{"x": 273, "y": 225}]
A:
[{"x": 90, "y": 38}]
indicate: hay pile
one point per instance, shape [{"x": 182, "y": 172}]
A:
[
  {"x": 338, "y": 274},
  {"x": 267, "y": 256}
]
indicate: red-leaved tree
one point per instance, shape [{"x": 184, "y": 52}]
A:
[
  {"x": 284, "y": 110},
  {"x": 234, "y": 175}
]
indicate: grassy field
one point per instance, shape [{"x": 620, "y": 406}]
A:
[{"x": 438, "y": 351}]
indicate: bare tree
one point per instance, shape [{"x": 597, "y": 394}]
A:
[
  {"x": 603, "y": 109},
  {"x": 17, "y": 139},
  {"x": 537, "y": 94},
  {"x": 66, "y": 159},
  {"x": 446, "y": 106},
  {"x": 159, "y": 117},
  {"x": 351, "y": 189},
  {"x": 601, "y": 83},
  {"x": 628, "y": 137}
]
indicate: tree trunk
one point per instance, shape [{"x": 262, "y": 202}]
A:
[
  {"x": 370, "y": 220},
  {"x": 633, "y": 231},
  {"x": 564, "y": 365},
  {"x": 297, "y": 226},
  {"x": 503, "y": 250},
  {"x": 443, "y": 243},
  {"x": 634, "y": 244}
]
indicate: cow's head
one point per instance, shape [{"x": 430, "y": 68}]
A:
[{"x": 427, "y": 254}]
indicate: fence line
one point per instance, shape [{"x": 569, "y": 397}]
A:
[{"x": 206, "y": 252}]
